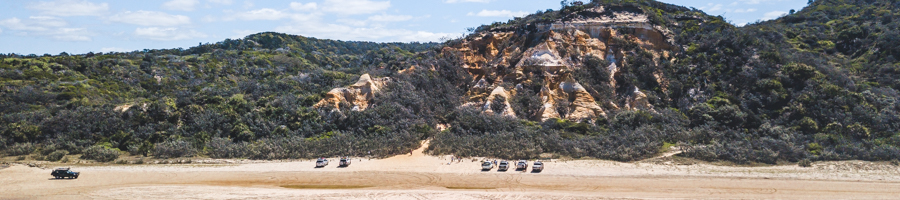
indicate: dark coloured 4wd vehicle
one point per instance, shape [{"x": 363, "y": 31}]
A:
[{"x": 59, "y": 173}]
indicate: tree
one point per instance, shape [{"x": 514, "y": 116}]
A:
[{"x": 498, "y": 105}]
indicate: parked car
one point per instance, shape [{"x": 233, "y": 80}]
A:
[
  {"x": 59, "y": 173},
  {"x": 321, "y": 162},
  {"x": 503, "y": 166},
  {"x": 487, "y": 165},
  {"x": 345, "y": 161},
  {"x": 538, "y": 166},
  {"x": 522, "y": 165}
]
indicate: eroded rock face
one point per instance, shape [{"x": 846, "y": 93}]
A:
[
  {"x": 548, "y": 54},
  {"x": 583, "y": 106},
  {"x": 357, "y": 95},
  {"x": 579, "y": 104}
]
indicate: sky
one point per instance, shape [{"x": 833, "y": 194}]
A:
[{"x": 81, "y": 26}]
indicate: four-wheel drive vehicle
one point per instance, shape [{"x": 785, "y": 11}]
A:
[
  {"x": 522, "y": 165},
  {"x": 321, "y": 162},
  {"x": 503, "y": 166},
  {"x": 537, "y": 166},
  {"x": 344, "y": 162},
  {"x": 487, "y": 165},
  {"x": 64, "y": 173}
]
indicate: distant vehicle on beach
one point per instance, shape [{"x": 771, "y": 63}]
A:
[
  {"x": 522, "y": 165},
  {"x": 321, "y": 162},
  {"x": 538, "y": 166},
  {"x": 59, "y": 173},
  {"x": 345, "y": 161},
  {"x": 487, "y": 165}
]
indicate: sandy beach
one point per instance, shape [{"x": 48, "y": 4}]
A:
[{"x": 419, "y": 176}]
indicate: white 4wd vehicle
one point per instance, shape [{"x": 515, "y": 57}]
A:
[
  {"x": 321, "y": 162},
  {"x": 522, "y": 165},
  {"x": 503, "y": 166},
  {"x": 487, "y": 165},
  {"x": 345, "y": 161},
  {"x": 538, "y": 166}
]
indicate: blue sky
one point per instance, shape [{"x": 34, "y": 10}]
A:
[{"x": 81, "y": 26}]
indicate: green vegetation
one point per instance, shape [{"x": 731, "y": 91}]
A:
[{"x": 819, "y": 84}]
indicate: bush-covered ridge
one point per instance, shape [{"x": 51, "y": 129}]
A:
[
  {"x": 818, "y": 84},
  {"x": 770, "y": 91},
  {"x": 256, "y": 91}
]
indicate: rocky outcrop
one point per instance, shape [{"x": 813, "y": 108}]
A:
[
  {"x": 583, "y": 105},
  {"x": 577, "y": 102},
  {"x": 548, "y": 54},
  {"x": 499, "y": 92},
  {"x": 357, "y": 95},
  {"x": 638, "y": 101}
]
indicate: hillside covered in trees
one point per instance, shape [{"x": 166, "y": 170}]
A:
[{"x": 609, "y": 79}]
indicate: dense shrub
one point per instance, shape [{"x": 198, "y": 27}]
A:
[
  {"x": 100, "y": 154},
  {"x": 20, "y": 149},
  {"x": 474, "y": 134},
  {"x": 805, "y": 163},
  {"x": 224, "y": 148},
  {"x": 174, "y": 149},
  {"x": 56, "y": 155}
]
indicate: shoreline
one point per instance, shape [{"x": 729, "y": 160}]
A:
[{"x": 420, "y": 176}]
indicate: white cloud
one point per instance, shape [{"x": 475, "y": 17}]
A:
[
  {"x": 390, "y": 18},
  {"x": 745, "y": 10},
  {"x": 304, "y": 7},
  {"x": 17, "y": 24},
  {"x": 225, "y": 2},
  {"x": 47, "y": 21},
  {"x": 150, "y": 18},
  {"x": 51, "y": 27},
  {"x": 209, "y": 18},
  {"x": 1, "y": 30},
  {"x": 183, "y": 5},
  {"x": 261, "y": 14},
  {"x": 70, "y": 8},
  {"x": 712, "y": 7},
  {"x": 71, "y": 34},
  {"x": 773, "y": 15},
  {"x": 423, "y": 36},
  {"x": 353, "y": 22},
  {"x": 460, "y": 1},
  {"x": 243, "y": 33},
  {"x": 498, "y": 13},
  {"x": 756, "y": 1},
  {"x": 34, "y": 23},
  {"x": 343, "y": 32},
  {"x": 355, "y": 7},
  {"x": 167, "y": 34}
]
